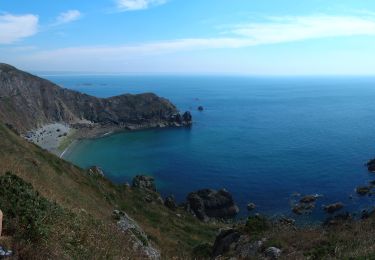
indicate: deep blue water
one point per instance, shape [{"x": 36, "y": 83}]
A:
[{"x": 263, "y": 139}]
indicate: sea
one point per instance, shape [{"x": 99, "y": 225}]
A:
[{"x": 267, "y": 140}]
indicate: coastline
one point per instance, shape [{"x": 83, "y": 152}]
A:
[{"x": 49, "y": 138}]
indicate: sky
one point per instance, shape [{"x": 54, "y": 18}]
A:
[{"x": 219, "y": 37}]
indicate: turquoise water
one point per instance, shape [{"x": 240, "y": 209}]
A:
[{"x": 263, "y": 139}]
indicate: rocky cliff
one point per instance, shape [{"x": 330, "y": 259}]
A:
[{"x": 28, "y": 102}]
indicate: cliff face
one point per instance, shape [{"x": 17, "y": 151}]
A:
[{"x": 28, "y": 102}]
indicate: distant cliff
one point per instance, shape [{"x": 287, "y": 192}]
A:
[{"x": 28, "y": 102}]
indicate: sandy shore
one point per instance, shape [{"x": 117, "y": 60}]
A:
[
  {"x": 58, "y": 138},
  {"x": 50, "y": 136}
]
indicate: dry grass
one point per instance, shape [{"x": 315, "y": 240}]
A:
[{"x": 79, "y": 193}]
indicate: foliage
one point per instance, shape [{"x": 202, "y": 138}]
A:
[
  {"x": 256, "y": 225},
  {"x": 27, "y": 214}
]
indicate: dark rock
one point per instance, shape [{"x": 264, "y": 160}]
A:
[
  {"x": 207, "y": 203},
  {"x": 170, "y": 203},
  {"x": 95, "y": 171},
  {"x": 287, "y": 221},
  {"x": 200, "y": 108},
  {"x": 363, "y": 190},
  {"x": 371, "y": 165},
  {"x": 224, "y": 241},
  {"x": 35, "y": 101},
  {"x": 273, "y": 252},
  {"x": 333, "y": 207},
  {"x": 187, "y": 118},
  {"x": 372, "y": 183},
  {"x": 251, "y": 206},
  {"x": 308, "y": 199},
  {"x": 303, "y": 208},
  {"x": 144, "y": 182},
  {"x": 338, "y": 219},
  {"x": 367, "y": 214}
]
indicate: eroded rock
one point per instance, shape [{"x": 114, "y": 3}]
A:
[
  {"x": 144, "y": 182},
  {"x": 170, "y": 203},
  {"x": 95, "y": 171},
  {"x": 208, "y": 203},
  {"x": 224, "y": 241},
  {"x": 332, "y": 208}
]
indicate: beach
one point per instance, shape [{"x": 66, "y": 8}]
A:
[{"x": 50, "y": 136}]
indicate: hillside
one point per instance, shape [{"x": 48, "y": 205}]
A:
[
  {"x": 29, "y": 102},
  {"x": 86, "y": 228}
]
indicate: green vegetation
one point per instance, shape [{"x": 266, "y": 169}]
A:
[
  {"x": 256, "y": 225},
  {"x": 79, "y": 222},
  {"x": 176, "y": 232}
]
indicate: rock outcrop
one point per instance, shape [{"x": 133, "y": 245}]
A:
[
  {"x": 170, "y": 202},
  {"x": 332, "y": 208},
  {"x": 371, "y": 165},
  {"x": 141, "y": 243},
  {"x": 144, "y": 182},
  {"x": 224, "y": 241},
  {"x": 29, "y": 102},
  {"x": 95, "y": 171},
  {"x": 206, "y": 204}
]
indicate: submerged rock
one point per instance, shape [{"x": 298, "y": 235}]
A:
[
  {"x": 144, "y": 182},
  {"x": 363, "y": 190},
  {"x": 309, "y": 199},
  {"x": 332, "y": 208},
  {"x": 303, "y": 208},
  {"x": 208, "y": 203}
]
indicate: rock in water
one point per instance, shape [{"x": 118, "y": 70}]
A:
[
  {"x": 308, "y": 199},
  {"x": 200, "y": 108},
  {"x": 144, "y": 182},
  {"x": 363, "y": 190},
  {"x": 187, "y": 118},
  {"x": 371, "y": 165},
  {"x": 332, "y": 208},
  {"x": 208, "y": 203}
]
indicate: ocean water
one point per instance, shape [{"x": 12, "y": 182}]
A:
[{"x": 263, "y": 139}]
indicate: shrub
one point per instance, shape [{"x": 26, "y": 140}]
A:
[
  {"x": 26, "y": 213},
  {"x": 256, "y": 225}
]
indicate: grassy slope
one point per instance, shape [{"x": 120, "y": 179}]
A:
[{"x": 70, "y": 187}]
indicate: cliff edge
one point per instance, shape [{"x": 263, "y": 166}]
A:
[{"x": 28, "y": 102}]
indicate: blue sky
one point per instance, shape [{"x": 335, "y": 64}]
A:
[{"x": 250, "y": 37}]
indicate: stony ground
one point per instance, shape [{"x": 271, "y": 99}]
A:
[{"x": 49, "y": 136}]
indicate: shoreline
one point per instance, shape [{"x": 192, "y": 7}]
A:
[{"x": 58, "y": 138}]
